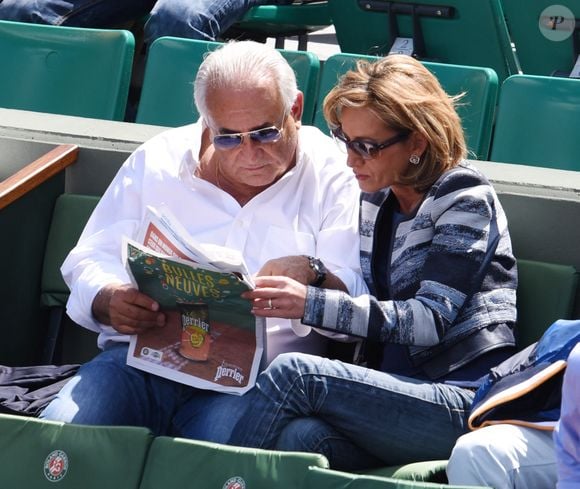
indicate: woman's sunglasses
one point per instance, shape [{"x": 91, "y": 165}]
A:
[
  {"x": 263, "y": 136},
  {"x": 367, "y": 149}
]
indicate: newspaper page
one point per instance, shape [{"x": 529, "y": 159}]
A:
[
  {"x": 163, "y": 233},
  {"x": 211, "y": 339}
]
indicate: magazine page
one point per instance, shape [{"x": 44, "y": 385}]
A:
[{"x": 211, "y": 339}]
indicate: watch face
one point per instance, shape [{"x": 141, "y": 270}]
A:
[{"x": 319, "y": 269}]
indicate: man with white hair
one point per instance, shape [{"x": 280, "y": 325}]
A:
[{"x": 248, "y": 176}]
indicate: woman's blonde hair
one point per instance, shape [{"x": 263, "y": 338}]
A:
[{"x": 407, "y": 97}]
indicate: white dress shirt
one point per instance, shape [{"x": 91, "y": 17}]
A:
[{"x": 312, "y": 210}]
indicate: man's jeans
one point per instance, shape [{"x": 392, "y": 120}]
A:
[
  {"x": 195, "y": 19},
  {"x": 356, "y": 417},
  {"x": 106, "y": 391}
]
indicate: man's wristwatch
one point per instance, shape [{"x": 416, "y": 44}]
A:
[{"x": 319, "y": 269}]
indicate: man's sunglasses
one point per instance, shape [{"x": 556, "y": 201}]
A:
[
  {"x": 265, "y": 135},
  {"x": 367, "y": 149}
]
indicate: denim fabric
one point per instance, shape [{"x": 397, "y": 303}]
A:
[
  {"x": 317, "y": 436},
  {"x": 76, "y": 13},
  {"x": 195, "y": 19},
  {"x": 388, "y": 419},
  {"x": 106, "y": 391}
]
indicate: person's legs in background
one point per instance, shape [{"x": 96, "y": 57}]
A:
[
  {"x": 195, "y": 19},
  {"x": 77, "y": 13},
  {"x": 504, "y": 456}
]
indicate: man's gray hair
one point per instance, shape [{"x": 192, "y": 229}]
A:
[{"x": 244, "y": 64}]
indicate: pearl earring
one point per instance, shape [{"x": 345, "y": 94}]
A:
[{"x": 414, "y": 159}]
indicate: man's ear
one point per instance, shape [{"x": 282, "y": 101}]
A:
[{"x": 298, "y": 107}]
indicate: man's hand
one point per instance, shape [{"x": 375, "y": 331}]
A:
[
  {"x": 294, "y": 267},
  {"x": 126, "y": 309},
  {"x": 298, "y": 268}
]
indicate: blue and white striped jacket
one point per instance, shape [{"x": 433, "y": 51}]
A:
[{"x": 452, "y": 284}]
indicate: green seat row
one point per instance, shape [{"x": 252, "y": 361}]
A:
[
  {"x": 59, "y": 70},
  {"x": 545, "y": 34},
  {"x": 167, "y": 95},
  {"x": 444, "y": 31},
  {"x": 40, "y": 454},
  {"x": 538, "y": 122},
  {"x": 476, "y": 109}
]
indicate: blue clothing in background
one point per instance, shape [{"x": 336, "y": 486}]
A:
[
  {"x": 194, "y": 19},
  {"x": 567, "y": 433}
]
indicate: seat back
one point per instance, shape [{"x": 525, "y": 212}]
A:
[
  {"x": 546, "y": 293},
  {"x": 282, "y": 21},
  {"x": 476, "y": 109},
  {"x": 537, "y": 122},
  {"x": 177, "y": 462},
  {"x": 544, "y": 45},
  {"x": 65, "y": 70},
  {"x": 172, "y": 63},
  {"x": 39, "y": 454},
  {"x": 448, "y": 31},
  {"x": 66, "y": 342}
]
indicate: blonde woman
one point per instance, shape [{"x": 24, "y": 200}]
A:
[{"x": 437, "y": 258}]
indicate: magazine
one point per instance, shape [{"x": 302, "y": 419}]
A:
[{"x": 211, "y": 339}]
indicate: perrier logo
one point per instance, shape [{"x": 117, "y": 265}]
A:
[{"x": 56, "y": 465}]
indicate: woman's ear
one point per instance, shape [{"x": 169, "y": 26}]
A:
[{"x": 418, "y": 144}]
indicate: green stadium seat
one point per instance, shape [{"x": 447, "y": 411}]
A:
[
  {"x": 542, "y": 50},
  {"x": 167, "y": 94},
  {"x": 39, "y": 454},
  {"x": 444, "y": 31},
  {"x": 177, "y": 462},
  {"x": 66, "y": 342},
  {"x": 65, "y": 70},
  {"x": 476, "y": 110},
  {"x": 546, "y": 293},
  {"x": 319, "y": 478},
  {"x": 537, "y": 122},
  {"x": 300, "y": 18}
]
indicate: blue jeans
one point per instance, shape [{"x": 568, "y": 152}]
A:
[
  {"x": 106, "y": 391},
  {"x": 76, "y": 13},
  {"x": 195, "y": 19},
  {"x": 347, "y": 412}
]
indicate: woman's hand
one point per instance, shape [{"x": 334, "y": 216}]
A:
[{"x": 277, "y": 297}]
